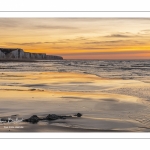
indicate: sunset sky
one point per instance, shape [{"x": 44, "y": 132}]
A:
[{"x": 79, "y": 38}]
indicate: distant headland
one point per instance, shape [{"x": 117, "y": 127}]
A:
[{"x": 19, "y": 54}]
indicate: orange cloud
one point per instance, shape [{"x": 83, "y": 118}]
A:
[{"x": 80, "y": 38}]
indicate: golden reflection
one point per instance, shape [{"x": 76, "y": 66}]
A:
[{"x": 49, "y": 86}]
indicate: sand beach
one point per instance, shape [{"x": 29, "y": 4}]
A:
[{"x": 107, "y": 104}]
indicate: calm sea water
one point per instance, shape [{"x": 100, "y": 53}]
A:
[{"x": 125, "y": 69}]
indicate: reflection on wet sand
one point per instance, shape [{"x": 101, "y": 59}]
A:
[{"x": 67, "y": 93}]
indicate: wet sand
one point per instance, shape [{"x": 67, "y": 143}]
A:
[{"x": 106, "y": 104}]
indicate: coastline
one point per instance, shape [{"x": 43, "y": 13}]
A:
[{"x": 18, "y": 60}]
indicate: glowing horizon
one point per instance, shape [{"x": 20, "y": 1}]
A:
[{"x": 79, "y": 38}]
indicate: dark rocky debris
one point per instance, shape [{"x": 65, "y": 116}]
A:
[
  {"x": 54, "y": 117},
  {"x": 4, "y": 120},
  {"x": 78, "y": 115},
  {"x": 35, "y": 119}
]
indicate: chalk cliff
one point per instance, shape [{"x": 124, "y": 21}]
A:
[{"x": 17, "y": 53}]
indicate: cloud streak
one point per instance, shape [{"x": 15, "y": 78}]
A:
[
  {"x": 54, "y": 27},
  {"x": 118, "y": 36},
  {"x": 33, "y": 43}
]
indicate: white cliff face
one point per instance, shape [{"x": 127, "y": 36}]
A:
[
  {"x": 32, "y": 56},
  {"x": 20, "y": 54},
  {"x": 12, "y": 54},
  {"x": 26, "y": 55},
  {"x": 2, "y": 55},
  {"x": 42, "y": 56}
]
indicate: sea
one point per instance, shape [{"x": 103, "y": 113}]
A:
[{"x": 123, "y": 69}]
